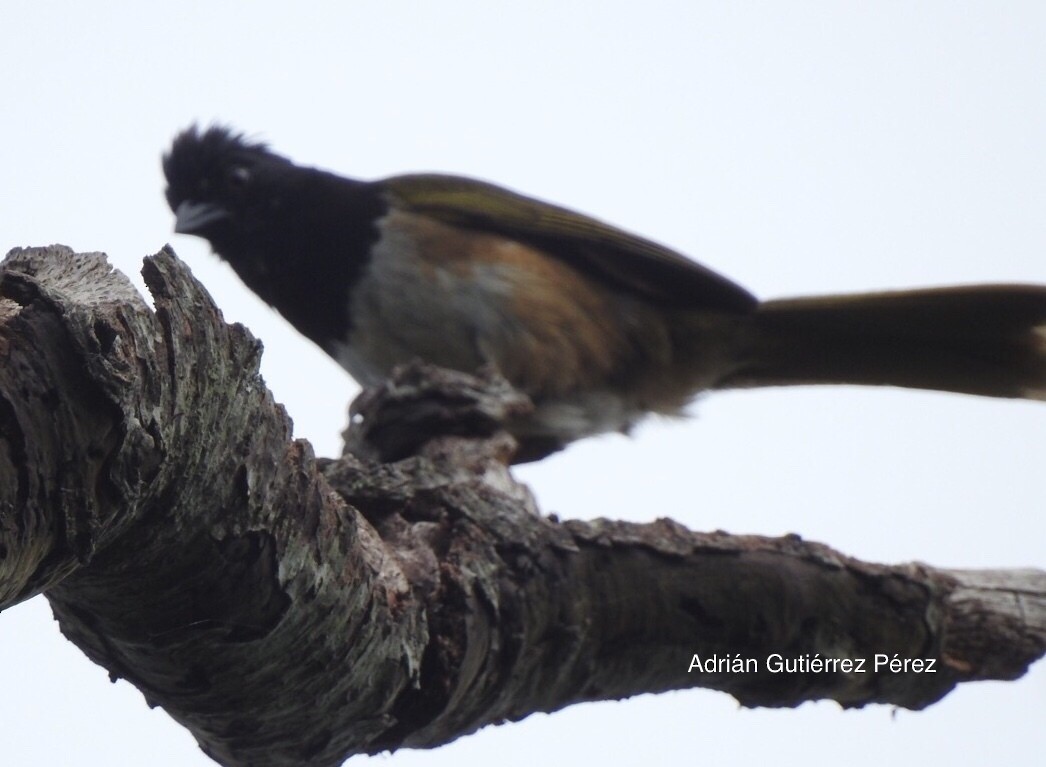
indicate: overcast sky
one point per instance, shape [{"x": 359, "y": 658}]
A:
[{"x": 797, "y": 147}]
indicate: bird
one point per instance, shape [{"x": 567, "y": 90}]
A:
[{"x": 599, "y": 327}]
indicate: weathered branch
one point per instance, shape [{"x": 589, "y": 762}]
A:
[{"x": 294, "y": 611}]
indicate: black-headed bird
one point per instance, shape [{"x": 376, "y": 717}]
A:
[{"x": 598, "y": 326}]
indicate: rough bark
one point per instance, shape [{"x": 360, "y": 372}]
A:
[{"x": 290, "y": 611}]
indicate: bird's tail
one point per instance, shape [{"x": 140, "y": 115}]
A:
[{"x": 986, "y": 340}]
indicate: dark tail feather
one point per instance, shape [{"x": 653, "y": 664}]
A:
[{"x": 987, "y": 340}]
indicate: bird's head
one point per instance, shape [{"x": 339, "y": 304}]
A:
[{"x": 218, "y": 182}]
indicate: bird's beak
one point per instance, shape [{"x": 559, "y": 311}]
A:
[{"x": 192, "y": 217}]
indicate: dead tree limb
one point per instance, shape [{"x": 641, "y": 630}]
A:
[{"x": 293, "y": 611}]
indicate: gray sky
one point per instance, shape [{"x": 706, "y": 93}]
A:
[{"x": 797, "y": 147}]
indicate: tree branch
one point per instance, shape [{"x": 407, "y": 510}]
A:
[{"x": 289, "y": 610}]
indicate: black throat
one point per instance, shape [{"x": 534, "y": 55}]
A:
[{"x": 305, "y": 246}]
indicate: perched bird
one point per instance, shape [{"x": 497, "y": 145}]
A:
[{"x": 598, "y": 326}]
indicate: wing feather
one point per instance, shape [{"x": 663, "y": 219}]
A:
[{"x": 626, "y": 261}]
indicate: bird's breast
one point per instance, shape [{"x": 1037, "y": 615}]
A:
[{"x": 463, "y": 299}]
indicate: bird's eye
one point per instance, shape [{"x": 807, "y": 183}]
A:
[{"x": 239, "y": 176}]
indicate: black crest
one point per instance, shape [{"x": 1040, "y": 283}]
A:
[{"x": 203, "y": 164}]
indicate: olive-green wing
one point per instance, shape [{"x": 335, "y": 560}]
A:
[{"x": 604, "y": 252}]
